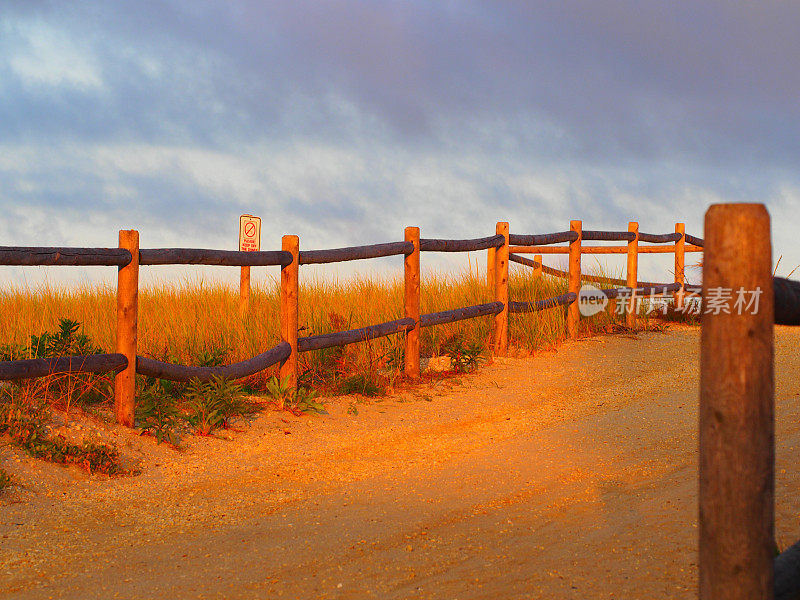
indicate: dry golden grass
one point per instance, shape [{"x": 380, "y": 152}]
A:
[{"x": 199, "y": 322}]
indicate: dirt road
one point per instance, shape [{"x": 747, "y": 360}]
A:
[{"x": 570, "y": 474}]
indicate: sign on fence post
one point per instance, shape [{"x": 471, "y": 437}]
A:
[{"x": 249, "y": 241}]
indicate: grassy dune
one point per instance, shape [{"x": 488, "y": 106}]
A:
[{"x": 199, "y": 323}]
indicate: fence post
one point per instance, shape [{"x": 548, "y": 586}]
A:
[
  {"x": 127, "y": 321},
  {"x": 537, "y": 271},
  {"x": 290, "y": 276},
  {"x": 501, "y": 292},
  {"x": 680, "y": 264},
  {"x": 411, "y": 304},
  {"x": 736, "y": 548},
  {"x": 573, "y": 311},
  {"x": 490, "y": 259},
  {"x": 633, "y": 276},
  {"x": 244, "y": 291}
]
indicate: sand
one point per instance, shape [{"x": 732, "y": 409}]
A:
[{"x": 568, "y": 474}]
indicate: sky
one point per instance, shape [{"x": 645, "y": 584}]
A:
[{"x": 345, "y": 121}]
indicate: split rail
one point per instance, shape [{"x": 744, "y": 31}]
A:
[{"x": 502, "y": 248}]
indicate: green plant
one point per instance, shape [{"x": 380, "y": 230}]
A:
[
  {"x": 360, "y": 383},
  {"x": 5, "y": 480},
  {"x": 157, "y": 413},
  {"x": 215, "y": 403},
  {"x": 304, "y": 401},
  {"x": 68, "y": 388},
  {"x": 464, "y": 356},
  {"x": 213, "y": 357},
  {"x": 280, "y": 391},
  {"x": 301, "y": 400},
  {"x": 66, "y": 341},
  {"x": 26, "y": 428}
]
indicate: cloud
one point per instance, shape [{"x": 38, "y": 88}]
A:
[{"x": 345, "y": 120}]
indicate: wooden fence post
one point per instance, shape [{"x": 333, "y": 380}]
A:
[
  {"x": 537, "y": 271},
  {"x": 573, "y": 310},
  {"x": 127, "y": 322},
  {"x": 244, "y": 291},
  {"x": 633, "y": 276},
  {"x": 411, "y": 304},
  {"x": 736, "y": 547},
  {"x": 490, "y": 260},
  {"x": 501, "y": 292},
  {"x": 680, "y": 264},
  {"x": 290, "y": 278}
]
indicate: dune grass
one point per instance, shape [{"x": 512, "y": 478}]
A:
[{"x": 197, "y": 322}]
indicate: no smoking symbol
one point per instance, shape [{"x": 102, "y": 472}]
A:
[{"x": 250, "y": 229}]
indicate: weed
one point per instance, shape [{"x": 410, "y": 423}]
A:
[
  {"x": 361, "y": 384},
  {"x": 464, "y": 356},
  {"x": 66, "y": 388},
  {"x": 5, "y": 480},
  {"x": 64, "y": 342},
  {"x": 27, "y": 429},
  {"x": 213, "y": 357},
  {"x": 157, "y": 412},
  {"x": 301, "y": 400},
  {"x": 304, "y": 402},
  {"x": 216, "y": 403},
  {"x": 280, "y": 391}
]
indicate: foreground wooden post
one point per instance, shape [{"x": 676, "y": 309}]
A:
[
  {"x": 490, "y": 259},
  {"x": 501, "y": 292},
  {"x": 244, "y": 291},
  {"x": 633, "y": 276},
  {"x": 411, "y": 303},
  {"x": 537, "y": 271},
  {"x": 290, "y": 278},
  {"x": 736, "y": 548},
  {"x": 573, "y": 310},
  {"x": 127, "y": 322},
  {"x": 680, "y": 264}
]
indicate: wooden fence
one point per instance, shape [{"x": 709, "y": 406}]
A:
[
  {"x": 502, "y": 248},
  {"x": 736, "y": 404}
]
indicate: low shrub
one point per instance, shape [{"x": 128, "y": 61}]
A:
[{"x": 27, "y": 429}]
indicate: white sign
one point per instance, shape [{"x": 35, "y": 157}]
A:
[{"x": 249, "y": 233}]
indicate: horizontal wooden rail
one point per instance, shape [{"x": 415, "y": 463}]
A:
[
  {"x": 591, "y": 278},
  {"x": 542, "y": 239},
  {"x": 39, "y": 256},
  {"x": 696, "y": 241},
  {"x": 659, "y": 238},
  {"x": 201, "y": 256},
  {"x": 352, "y": 336},
  {"x": 563, "y": 299},
  {"x": 643, "y": 290},
  {"x": 173, "y": 372},
  {"x": 559, "y": 273},
  {"x": 460, "y": 314},
  {"x": 435, "y": 245},
  {"x": 40, "y": 367},
  {"x": 601, "y": 249},
  {"x": 787, "y": 301},
  {"x": 318, "y": 257},
  {"x": 608, "y": 236}
]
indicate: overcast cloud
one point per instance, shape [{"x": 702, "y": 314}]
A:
[{"x": 344, "y": 121}]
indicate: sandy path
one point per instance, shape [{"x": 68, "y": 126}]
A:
[{"x": 541, "y": 477}]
